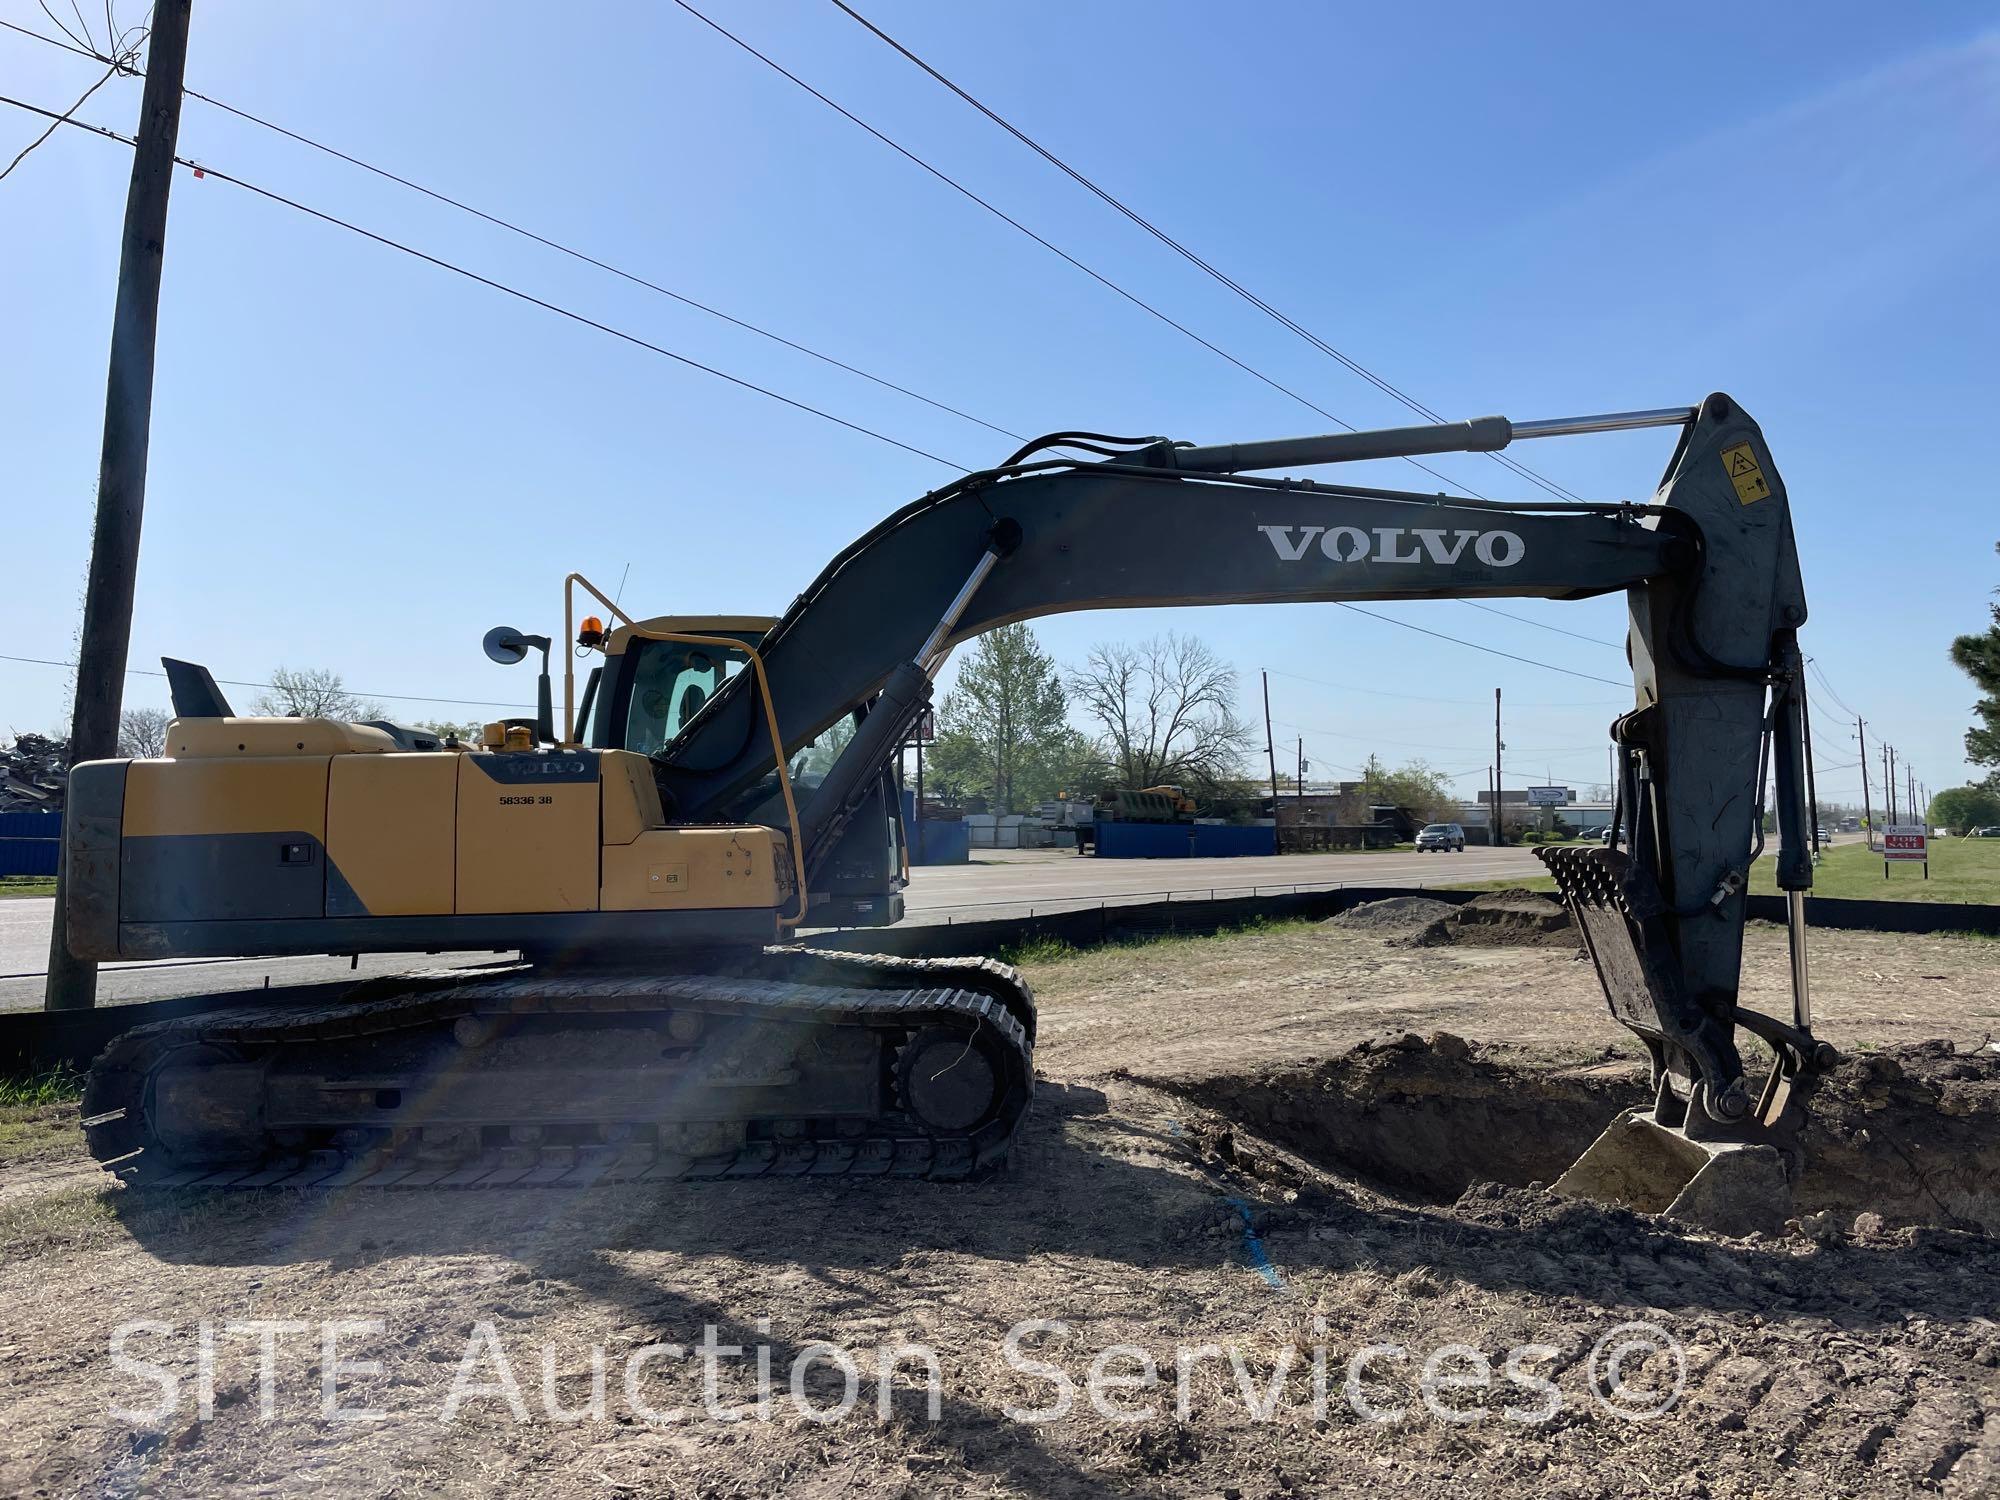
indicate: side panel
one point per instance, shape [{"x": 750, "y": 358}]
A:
[
  {"x": 631, "y": 797},
  {"x": 223, "y": 840},
  {"x": 527, "y": 832},
  {"x": 391, "y": 835},
  {"x": 686, "y": 868}
]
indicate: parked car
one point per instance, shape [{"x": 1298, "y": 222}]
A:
[
  {"x": 1607, "y": 834},
  {"x": 1984, "y": 833},
  {"x": 1441, "y": 836}
]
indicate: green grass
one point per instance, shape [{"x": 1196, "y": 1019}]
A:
[
  {"x": 1965, "y": 870},
  {"x": 38, "y": 1118},
  {"x": 27, "y": 885},
  {"x": 57, "y": 1086},
  {"x": 1544, "y": 883},
  {"x": 1045, "y": 950},
  {"x": 1961, "y": 870}
]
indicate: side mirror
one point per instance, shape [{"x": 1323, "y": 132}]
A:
[{"x": 505, "y": 645}]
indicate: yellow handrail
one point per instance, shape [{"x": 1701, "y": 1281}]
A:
[{"x": 714, "y": 643}]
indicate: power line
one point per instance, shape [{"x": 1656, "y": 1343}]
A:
[
  {"x": 60, "y": 120},
  {"x": 1190, "y": 256},
  {"x": 44, "y": 661},
  {"x": 631, "y": 338},
  {"x": 1474, "y": 645},
  {"x": 556, "y": 245},
  {"x": 1524, "y": 620},
  {"x": 1346, "y": 687},
  {"x": 1812, "y": 664},
  {"x": 385, "y": 240},
  {"x": 201, "y": 169},
  {"x": 1052, "y": 248}
]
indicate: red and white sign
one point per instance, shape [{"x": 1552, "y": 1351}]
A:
[{"x": 1901, "y": 841}]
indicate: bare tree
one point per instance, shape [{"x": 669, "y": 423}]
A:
[
  {"x": 1167, "y": 708},
  {"x": 314, "y": 693},
  {"x": 142, "y": 732}
]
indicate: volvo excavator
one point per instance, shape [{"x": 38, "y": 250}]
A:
[{"x": 726, "y": 782}]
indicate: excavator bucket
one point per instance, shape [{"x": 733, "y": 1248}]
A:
[
  {"x": 1731, "y": 1187},
  {"x": 1703, "y": 1153}
]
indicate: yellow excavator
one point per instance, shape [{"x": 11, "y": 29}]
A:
[{"x": 722, "y": 783}]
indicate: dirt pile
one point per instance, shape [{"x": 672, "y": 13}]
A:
[
  {"x": 1503, "y": 919},
  {"x": 1911, "y": 1134},
  {"x": 1397, "y": 916},
  {"x": 1907, "y": 1136}
]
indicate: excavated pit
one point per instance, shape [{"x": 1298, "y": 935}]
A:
[{"x": 1910, "y": 1135}]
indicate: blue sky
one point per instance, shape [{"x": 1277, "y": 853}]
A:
[{"x": 361, "y": 462}]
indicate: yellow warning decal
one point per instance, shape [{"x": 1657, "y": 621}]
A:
[{"x": 1745, "y": 474}]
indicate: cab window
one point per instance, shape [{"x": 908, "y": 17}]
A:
[{"x": 671, "y": 683}]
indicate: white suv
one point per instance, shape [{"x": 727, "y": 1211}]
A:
[{"x": 1441, "y": 836}]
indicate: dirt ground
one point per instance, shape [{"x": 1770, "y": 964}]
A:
[{"x": 1211, "y": 1184}]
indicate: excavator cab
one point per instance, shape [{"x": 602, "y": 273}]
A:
[{"x": 650, "y": 688}]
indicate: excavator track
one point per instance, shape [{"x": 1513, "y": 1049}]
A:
[{"x": 787, "y": 1062}]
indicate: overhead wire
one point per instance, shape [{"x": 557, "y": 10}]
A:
[
  {"x": 1345, "y": 360},
  {"x": 1476, "y": 646},
  {"x": 1090, "y": 271},
  {"x": 385, "y": 240},
  {"x": 1046, "y": 244},
  {"x": 45, "y": 661},
  {"x": 207, "y": 171},
  {"x": 59, "y": 121}
]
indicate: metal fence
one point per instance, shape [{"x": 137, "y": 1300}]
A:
[{"x": 30, "y": 842}]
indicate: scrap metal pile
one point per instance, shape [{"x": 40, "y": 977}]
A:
[{"x": 34, "y": 774}]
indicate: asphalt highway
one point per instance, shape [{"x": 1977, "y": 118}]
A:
[{"x": 998, "y": 883}]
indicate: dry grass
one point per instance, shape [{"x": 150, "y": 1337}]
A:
[{"x": 72, "y": 1218}]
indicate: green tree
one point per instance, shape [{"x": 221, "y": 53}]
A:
[
  {"x": 1963, "y": 807},
  {"x": 1415, "y": 785},
  {"x": 1978, "y": 656},
  {"x": 1002, "y": 730}
]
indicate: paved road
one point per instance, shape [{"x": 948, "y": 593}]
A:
[
  {"x": 1004, "y": 882},
  {"x": 1007, "y": 880}
]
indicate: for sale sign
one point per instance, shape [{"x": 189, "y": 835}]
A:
[{"x": 1904, "y": 841}]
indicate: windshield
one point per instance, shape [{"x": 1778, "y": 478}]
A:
[
  {"x": 670, "y": 685},
  {"x": 1437, "y": 828}
]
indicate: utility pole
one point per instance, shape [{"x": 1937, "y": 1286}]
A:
[
  {"x": 1867, "y": 807},
  {"x": 1499, "y": 827},
  {"x": 1271, "y": 755},
  {"x": 121, "y": 469},
  {"x": 1889, "y": 781},
  {"x": 1302, "y": 781}
]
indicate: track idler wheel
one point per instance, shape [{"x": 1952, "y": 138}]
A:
[{"x": 946, "y": 1080}]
